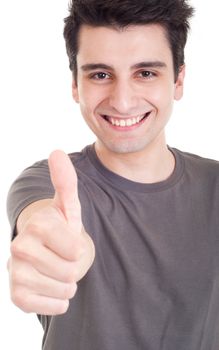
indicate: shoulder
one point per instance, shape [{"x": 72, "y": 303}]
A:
[
  {"x": 41, "y": 166},
  {"x": 198, "y": 166},
  {"x": 198, "y": 161}
]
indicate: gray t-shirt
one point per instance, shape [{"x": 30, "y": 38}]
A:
[{"x": 154, "y": 284}]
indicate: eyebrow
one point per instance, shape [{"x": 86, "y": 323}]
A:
[
  {"x": 145, "y": 64},
  {"x": 150, "y": 64}
]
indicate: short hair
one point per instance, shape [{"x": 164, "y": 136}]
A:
[{"x": 172, "y": 15}]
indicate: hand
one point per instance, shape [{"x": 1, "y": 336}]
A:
[{"x": 52, "y": 251}]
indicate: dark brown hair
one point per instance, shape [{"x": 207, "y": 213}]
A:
[{"x": 173, "y": 15}]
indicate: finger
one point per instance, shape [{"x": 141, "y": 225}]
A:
[
  {"x": 68, "y": 271},
  {"x": 24, "y": 275},
  {"x": 64, "y": 179},
  {"x": 46, "y": 306},
  {"x": 57, "y": 261},
  {"x": 43, "y": 305}
]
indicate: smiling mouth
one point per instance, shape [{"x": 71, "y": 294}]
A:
[{"x": 125, "y": 122}]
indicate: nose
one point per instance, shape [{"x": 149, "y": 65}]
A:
[{"x": 123, "y": 97}]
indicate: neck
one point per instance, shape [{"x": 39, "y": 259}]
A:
[{"x": 153, "y": 164}]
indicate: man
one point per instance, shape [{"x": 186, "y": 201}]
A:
[{"x": 120, "y": 251}]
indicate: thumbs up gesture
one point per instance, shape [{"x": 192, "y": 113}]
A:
[{"x": 52, "y": 251}]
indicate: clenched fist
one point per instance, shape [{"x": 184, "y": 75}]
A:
[{"x": 52, "y": 251}]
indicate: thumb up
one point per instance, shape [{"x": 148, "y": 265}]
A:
[
  {"x": 64, "y": 179},
  {"x": 52, "y": 247}
]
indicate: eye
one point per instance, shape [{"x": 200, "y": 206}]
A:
[
  {"x": 147, "y": 74},
  {"x": 100, "y": 76}
]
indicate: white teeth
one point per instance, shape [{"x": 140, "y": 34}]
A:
[
  {"x": 122, "y": 122},
  {"x": 125, "y": 122},
  {"x": 129, "y": 122},
  {"x": 117, "y": 122}
]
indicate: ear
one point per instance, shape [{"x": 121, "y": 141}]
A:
[
  {"x": 75, "y": 91},
  {"x": 179, "y": 84}
]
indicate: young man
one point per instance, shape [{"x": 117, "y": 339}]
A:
[{"x": 133, "y": 226}]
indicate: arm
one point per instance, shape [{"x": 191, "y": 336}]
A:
[{"x": 51, "y": 251}]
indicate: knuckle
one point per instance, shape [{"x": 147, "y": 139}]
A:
[
  {"x": 27, "y": 306},
  {"x": 36, "y": 227},
  {"x": 19, "y": 249},
  {"x": 15, "y": 296},
  {"x": 15, "y": 277},
  {"x": 19, "y": 298},
  {"x": 33, "y": 228},
  {"x": 16, "y": 248}
]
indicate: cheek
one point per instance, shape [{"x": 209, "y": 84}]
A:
[
  {"x": 162, "y": 96},
  {"x": 85, "y": 98},
  {"x": 91, "y": 97}
]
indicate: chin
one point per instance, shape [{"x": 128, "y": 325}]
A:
[{"x": 125, "y": 147}]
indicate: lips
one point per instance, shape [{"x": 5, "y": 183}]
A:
[{"x": 131, "y": 121}]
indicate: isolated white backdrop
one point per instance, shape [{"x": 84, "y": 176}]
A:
[{"x": 37, "y": 114}]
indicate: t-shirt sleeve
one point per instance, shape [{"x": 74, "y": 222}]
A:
[{"x": 33, "y": 184}]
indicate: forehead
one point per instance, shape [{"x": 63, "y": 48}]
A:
[{"x": 132, "y": 43}]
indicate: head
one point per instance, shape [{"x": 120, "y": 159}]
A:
[
  {"x": 127, "y": 59},
  {"x": 172, "y": 15}
]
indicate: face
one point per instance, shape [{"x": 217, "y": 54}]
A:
[{"x": 125, "y": 86}]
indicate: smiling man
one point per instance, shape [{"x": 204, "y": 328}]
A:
[
  {"x": 116, "y": 246},
  {"x": 127, "y": 103}
]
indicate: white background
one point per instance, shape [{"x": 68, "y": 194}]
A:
[{"x": 37, "y": 114}]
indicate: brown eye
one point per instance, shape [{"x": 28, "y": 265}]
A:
[
  {"x": 100, "y": 76},
  {"x": 147, "y": 74}
]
